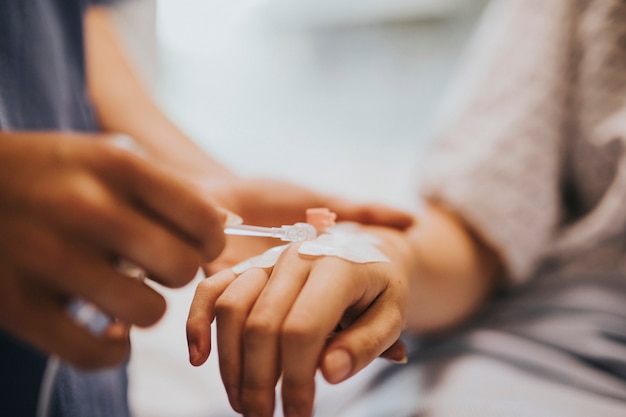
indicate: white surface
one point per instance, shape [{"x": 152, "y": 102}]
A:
[
  {"x": 354, "y": 12},
  {"x": 136, "y": 22},
  {"x": 344, "y": 110},
  {"x": 325, "y": 107}
]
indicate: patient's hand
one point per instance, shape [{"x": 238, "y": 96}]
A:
[
  {"x": 267, "y": 202},
  {"x": 282, "y": 322}
]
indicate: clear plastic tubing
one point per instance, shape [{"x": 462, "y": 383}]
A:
[{"x": 293, "y": 233}]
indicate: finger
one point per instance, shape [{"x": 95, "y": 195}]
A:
[
  {"x": 118, "y": 295},
  {"x": 101, "y": 219},
  {"x": 177, "y": 204},
  {"x": 91, "y": 278},
  {"x": 166, "y": 257},
  {"x": 309, "y": 323},
  {"x": 83, "y": 272},
  {"x": 377, "y": 214},
  {"x": 350, "y": 350},
  {"x": 262, "y": 333},
  {"x": 231, "y": 312},
  {"x": 46, "y": 325},
  {"x": 202, "y": 313}
]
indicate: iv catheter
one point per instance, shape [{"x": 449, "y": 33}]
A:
[
  {"x": 293, "y": 233},
  {"x": 233, "y": 225}
]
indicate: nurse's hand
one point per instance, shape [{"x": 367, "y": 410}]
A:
[
  {"x": 73, "y": 206},
  {"x": 283, "y": 322}
]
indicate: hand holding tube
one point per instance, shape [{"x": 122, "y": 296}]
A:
[{"x": 66, "y": 215}]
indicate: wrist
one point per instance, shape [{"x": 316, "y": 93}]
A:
[{"x": 454, "y": 273}]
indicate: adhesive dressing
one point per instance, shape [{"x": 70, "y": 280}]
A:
[
  {"x": 266, "y": 260},
  {"x": 343, "y": 241}
]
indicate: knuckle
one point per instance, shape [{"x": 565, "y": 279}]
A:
[
  {"x": 208, "y": 291},
  {"x": 226, "y": 305},
  {"x": 206, "y": 287},
  {"x": 88, "y": 196},
  {"x": 204, "y": 299},
  {"x": 395, "y": 318},
  {"x": 260, "y": 327},
  {"x": 299, "y": 332},
  {"x": 259, "y": 399},
  {"x": 254, "y": 337}
]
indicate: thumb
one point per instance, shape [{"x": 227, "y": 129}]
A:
[{"x": 373, "y": 335}]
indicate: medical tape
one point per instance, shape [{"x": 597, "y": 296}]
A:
[{"x": 343, "y": 241}]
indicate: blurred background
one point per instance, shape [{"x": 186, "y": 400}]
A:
[{"x": 339, "y": 95}]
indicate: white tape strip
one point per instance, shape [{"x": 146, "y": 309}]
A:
[
  {"x": 265, "y": 260},
  {"x": 342, "y": 241}
]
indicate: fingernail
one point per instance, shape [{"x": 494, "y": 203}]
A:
[
  {"x": 338, "y": 365},
  {"x": 231, "y": 219},
  {"x": 400, "y": 361}
]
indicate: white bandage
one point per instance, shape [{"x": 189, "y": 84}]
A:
[
  {"x": 265, "y": 260},
  {"x": 342, "y": 241}
]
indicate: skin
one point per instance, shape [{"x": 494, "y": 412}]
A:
[
  {"x": 281, "y": 322},
  {"x": 72, "y": 205}
]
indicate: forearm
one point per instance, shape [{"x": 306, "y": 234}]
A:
[
  {"x": 453, "y": 273},
  {"x": 124, "y": 106}
]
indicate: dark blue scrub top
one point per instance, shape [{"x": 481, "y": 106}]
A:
[
  {"x": 42, "y": 71},
  {"x": 42, "y": 87}
]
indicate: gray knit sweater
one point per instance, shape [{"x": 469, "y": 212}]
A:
[{"x": 533, "y": 157}]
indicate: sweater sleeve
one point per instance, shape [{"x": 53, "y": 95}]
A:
[{"x": 498, "y": 162}]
